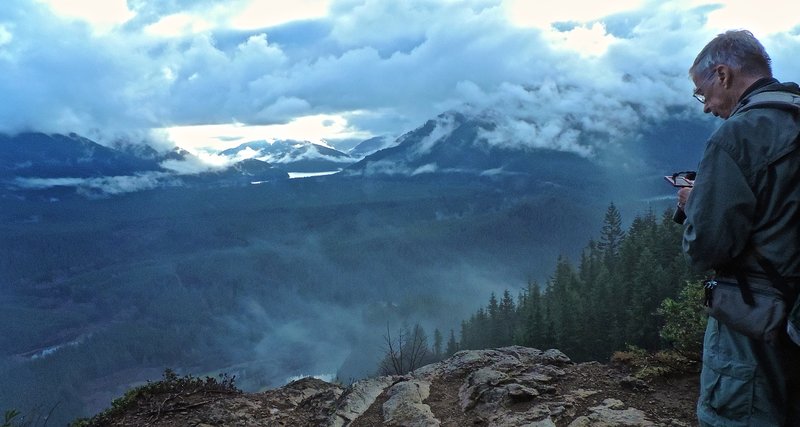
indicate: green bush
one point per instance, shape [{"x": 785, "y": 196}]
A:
[
  {"x": 685, "y": 320},
  {"x": 171, "y": 385},
  {"x": 647, "y": 366}
]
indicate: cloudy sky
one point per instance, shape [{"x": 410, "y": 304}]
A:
[{"x": 216, "y": 73}]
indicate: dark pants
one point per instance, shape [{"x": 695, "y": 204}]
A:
[{"x": 747, "y": 382}]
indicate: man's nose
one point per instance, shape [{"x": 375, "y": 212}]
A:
[{"x": 706, "y": 109}]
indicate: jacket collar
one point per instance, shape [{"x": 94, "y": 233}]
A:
[
  {"x": 762, "y": 82},
  {"x": 766, "y": 84}
]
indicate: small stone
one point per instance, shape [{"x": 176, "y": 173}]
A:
[
  {"x": 613, "y": 404},
  {"x": 520, "y": 393},
  {"x": 547, "y": 422},
  {"x": 634, "y": 383},
  {"x": 612, "y": 413},
  {"x": 556, "y": 357},
  {"x": 557, "y": 410},
  {"x": 581, "y": 421},
  {"x": 583, "y": 394}
]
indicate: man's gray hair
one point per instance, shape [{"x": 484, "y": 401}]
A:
[{"x": 738, "y": 49}]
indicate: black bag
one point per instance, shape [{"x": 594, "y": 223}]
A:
[
  {"x": 756, "y": 310},
  {"x": 764, "y": 319}
]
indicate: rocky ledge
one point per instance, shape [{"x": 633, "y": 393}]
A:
[{"x": 510, "y": 386}]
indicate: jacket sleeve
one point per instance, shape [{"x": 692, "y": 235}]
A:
[{"x": 719, "y": 211}]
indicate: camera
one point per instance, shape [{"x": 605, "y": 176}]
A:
[{"x": 682, "y": 179}]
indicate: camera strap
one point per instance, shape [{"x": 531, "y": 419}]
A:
[{"x": 777, "y": 281}]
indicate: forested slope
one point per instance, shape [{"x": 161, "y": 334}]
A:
[{"x": 608, "y": 301}]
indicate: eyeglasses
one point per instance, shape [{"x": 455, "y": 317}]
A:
[{"x": 697, "y": 95}]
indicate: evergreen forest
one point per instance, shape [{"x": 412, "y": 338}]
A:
[{"x": 617, "y": 296}]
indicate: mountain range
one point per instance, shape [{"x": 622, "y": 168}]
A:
[
  {"x": 295, "y": 156},
  {"x": 452, "y": 144}
]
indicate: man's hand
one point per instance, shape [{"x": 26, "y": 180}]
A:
[{"x": 683, "y": 196}]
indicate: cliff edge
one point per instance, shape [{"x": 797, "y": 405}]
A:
[{"x": 509, "y": 386}]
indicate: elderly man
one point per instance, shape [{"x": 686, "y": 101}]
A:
[{"x": 745, "y": 205}]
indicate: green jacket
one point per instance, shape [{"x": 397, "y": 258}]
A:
[{"x": 748, "y": 190}]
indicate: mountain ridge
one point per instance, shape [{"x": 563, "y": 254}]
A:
[
  {"x": 292, "y": 155},
  {"x": 453, "y": 143}
]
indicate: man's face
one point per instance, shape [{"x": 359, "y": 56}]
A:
[{"x": 710, "y": 87}]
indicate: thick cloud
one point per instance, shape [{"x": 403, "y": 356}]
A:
[
  {"x": 58, "y": 76},
  {"x": 386, "y": 66}
]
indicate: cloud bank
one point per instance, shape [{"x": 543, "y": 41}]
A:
[
  {"x": 385, "y": 66},
  {"x": 102, "y": 186}
]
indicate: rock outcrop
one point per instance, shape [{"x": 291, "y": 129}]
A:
[{"x": 510, "y": 386}]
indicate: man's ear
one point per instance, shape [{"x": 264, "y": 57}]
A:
[{"x": 725, "y": 75}]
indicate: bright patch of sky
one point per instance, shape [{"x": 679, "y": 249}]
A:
[
  {"x": 528, "y": 13},
  {"x": 317, "y": 129},
  {"x": 101, "y": 15},
  {"x": 761, "y": 17},
  {"x": 211, "y": 73},
  {"x": 260, "y": 14}
]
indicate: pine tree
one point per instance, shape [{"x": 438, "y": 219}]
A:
[
  {"x": 437, "y": 344},
  {"x": 642, "y": 326},
  {"x": 531, "y": 312},
  {"x": 506, "y": 319},
  {"x": 611, "y": 235},
  {"x": 494, "y": 326},
  {"x": 465, "y": 334},
  {"x": 549, "y": 317},
  {"x": 452, "y": 344}
]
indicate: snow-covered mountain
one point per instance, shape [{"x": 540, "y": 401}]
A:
[
  {"x": 463, "y": 146},
  {"x": 38, "y": 163},
  {"x": 455, "y": 143},
  {"x": 292, "y": 155},
  {"x": 370, "y": 146}
]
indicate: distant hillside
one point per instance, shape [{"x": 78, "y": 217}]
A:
[
  {"x": 248, "y": 171},
  {"x": 57, "y": 166},
  {"x": 55, "y": 156}
]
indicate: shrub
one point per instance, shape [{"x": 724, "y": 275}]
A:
[
  {"x": 172, "y": 386},
  {"x": 648, "y": 366},
  {"x": 685, "y": 320}
]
